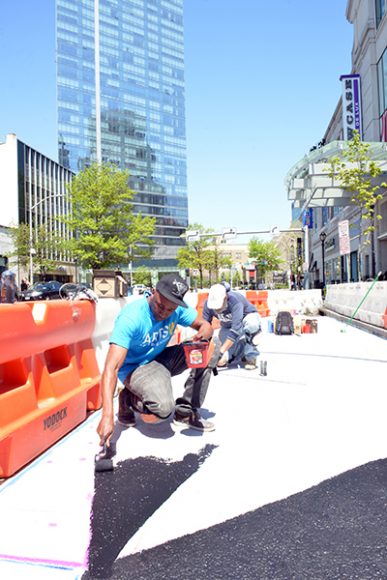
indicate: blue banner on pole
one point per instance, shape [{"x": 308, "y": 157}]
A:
[{"x": 307, "y": 218}]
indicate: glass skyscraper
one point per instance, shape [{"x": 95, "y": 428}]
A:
[{"x": 120, "y": 91}]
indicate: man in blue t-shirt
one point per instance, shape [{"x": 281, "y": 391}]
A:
[
  {"x": 240, "y": 324},
  {"x": 139, "y": 357}
]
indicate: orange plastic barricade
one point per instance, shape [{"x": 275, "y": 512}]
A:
[
  {"x": 49, "y": 376},
  {"x": 385, "y": 318},
  {"x": 202, "y": 297},
  {"x": 259, "y": 299}
]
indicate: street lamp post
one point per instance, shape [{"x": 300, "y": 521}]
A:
[
  {"x": 32, "y": 251},
  {"x": 323, "y": 237},
  {"x": 130, "y": 266}
]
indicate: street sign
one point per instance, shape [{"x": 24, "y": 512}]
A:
[{"x": 344, "y": 241}]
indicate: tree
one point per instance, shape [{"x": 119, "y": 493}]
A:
[
  {"x": 359, "y": 174},
  {"x": 21, "y": 242},
  {"x": 196, "y": 254},
  {"x": 216, "y": 259},
  {"x": 106, "y": 229},
  {"x": 266, "y": 255},
  {"x": 43, "y": 244},
  {"x": 143, "y": 275}
]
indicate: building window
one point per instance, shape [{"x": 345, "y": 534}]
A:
[
  {"x": 382, "y": 88},
  {"x": 380, "y": 10}
]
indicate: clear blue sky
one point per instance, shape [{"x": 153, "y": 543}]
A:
[{"x": 262, "y": 82}]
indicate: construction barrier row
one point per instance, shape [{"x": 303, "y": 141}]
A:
[
  {"x": 259, "y": 298},
  {"x": 49, "y": 376},
  {"x": 364, "y": 301},
  {"x": 270, "y": 302}
]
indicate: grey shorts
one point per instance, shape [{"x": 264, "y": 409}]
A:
[{"x": 151, "y": 389}]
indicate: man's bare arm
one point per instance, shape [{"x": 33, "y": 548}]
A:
[{"x": 115, "y": 358}]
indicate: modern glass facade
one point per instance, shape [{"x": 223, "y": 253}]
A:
[
  {"x": 380, "y": 6},
  {"x": 120, "y": 90}
]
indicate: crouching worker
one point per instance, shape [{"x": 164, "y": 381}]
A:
[
  {"x": 139, "y": 356},
  {"x": 240, "y": 324}
]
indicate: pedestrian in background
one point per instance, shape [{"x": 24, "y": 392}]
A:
[
  {"x": 8, "y": 287},
  {"x": 24, "y": 284}
]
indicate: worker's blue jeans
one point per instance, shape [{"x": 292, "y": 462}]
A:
[{"x": 243, "y": 348}]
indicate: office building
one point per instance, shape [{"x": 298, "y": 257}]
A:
[
  {"x": 120, "y": 90},
  {"x": 33, "y": 188}
]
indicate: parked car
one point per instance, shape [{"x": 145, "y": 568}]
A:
[
  {"x": 41, "y": 291},
  {"x": 139, "y": 288}
]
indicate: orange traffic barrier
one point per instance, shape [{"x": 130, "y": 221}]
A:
[
  {"x": 202, "y": 297},
  {"x": 385, "y": 318},
  {"x": 49, "y": 376},
  {"x": 259, "y": 299}
]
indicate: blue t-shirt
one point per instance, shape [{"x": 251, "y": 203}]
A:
[{"x": 137, "y": 330}]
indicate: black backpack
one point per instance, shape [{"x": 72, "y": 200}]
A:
[{"x": 284, "y": 323}]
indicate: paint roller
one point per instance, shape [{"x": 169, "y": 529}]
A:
[{"x": 103, "y": 461}]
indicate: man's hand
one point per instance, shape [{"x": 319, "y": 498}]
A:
[
  {"x": 105, "y": 429},
  {"x": 222, "y": 362},
  {"x": 204, "y": 329}
]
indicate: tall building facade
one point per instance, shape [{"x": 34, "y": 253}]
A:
[
  {"x": 121, "y": 99},
  {"x": 33, "y": 188},
  {"x": 364, "y": 98}
]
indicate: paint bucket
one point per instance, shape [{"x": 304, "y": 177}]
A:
[
  {"x": 196, "y": 354},
  {"x": 313, "y": 325}
]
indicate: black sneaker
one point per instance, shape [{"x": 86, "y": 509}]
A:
[
  {"x": 194, "y": 421},
  {"x": 125, "y": 416},
  {"x": 251, "y": 364}
]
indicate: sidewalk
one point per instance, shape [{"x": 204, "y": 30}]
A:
[{"x": 318, "y": 414}]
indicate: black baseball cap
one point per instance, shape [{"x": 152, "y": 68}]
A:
[{"x": 173, "y": 288}]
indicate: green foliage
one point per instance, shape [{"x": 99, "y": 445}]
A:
[
  {"x": 142, "y": 275},
  {"x": 105, "y": 227},
  {"x": 21, "y": 242},
  {"x": 236, "y": 279},
  {"x": 196, "y": 254},
  {"x": 358, "y": 174},
  {"x": 214, "y": 260},
  {"x": 200, "y": 256},
  {"x": 266, "y": 255},
  {"x": 43, "y": 244}
]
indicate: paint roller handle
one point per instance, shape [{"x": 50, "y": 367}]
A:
[{"x": 106, "y": 452}]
